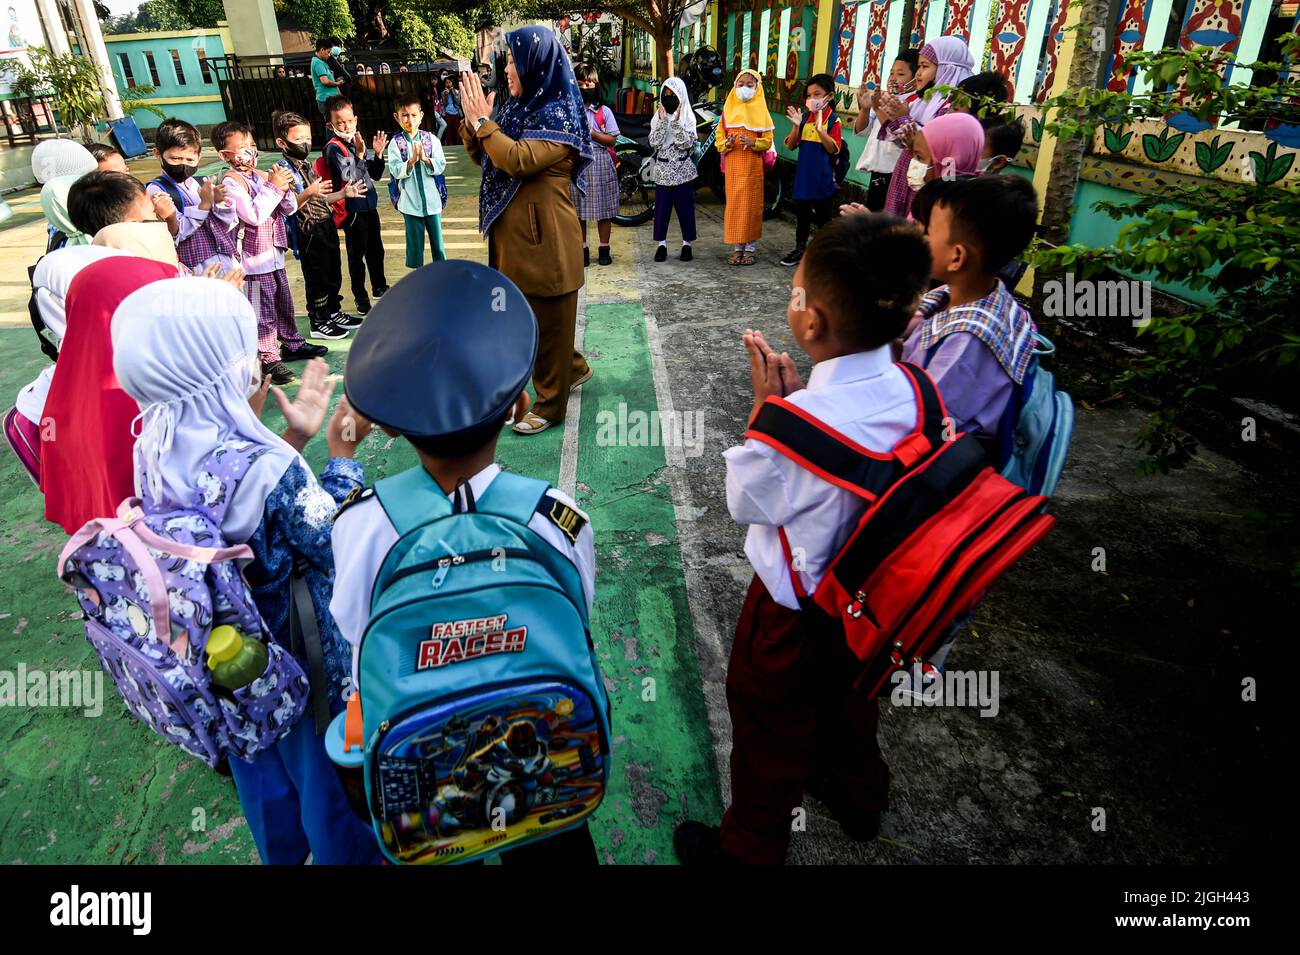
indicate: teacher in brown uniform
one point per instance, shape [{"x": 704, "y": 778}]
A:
[{"x": 538, "y": 144}]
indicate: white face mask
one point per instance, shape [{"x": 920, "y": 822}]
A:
[
  {"x": 916, "y": 171},
  {"x": 986, "y": 164},
  {"x": 746, "y": 93}
]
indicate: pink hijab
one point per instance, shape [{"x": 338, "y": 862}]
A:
[{"x": 956, "y": 142}]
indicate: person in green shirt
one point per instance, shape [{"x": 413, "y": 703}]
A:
[
  {"x": 322, "y": 77},
  {"x": 415, "y": 160}
]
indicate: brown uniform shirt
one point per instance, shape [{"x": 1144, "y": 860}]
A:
[{"x": 536, "y": 241}]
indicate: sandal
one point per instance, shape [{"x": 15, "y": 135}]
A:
[
  {"x": 746, "y": 258},
  {"x": 579, "y": 382},
  {"x": 736, "y": 258},
  {"x": 531, "y": 424}
]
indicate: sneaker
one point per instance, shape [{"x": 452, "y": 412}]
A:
[
  {"x": 278, "y": 371},
  {"x": 344, "y": 320},
  {"x": 661, "y": 254},
  {"x": 686, "y": 253},
  {"x": 793, "y": 258},
  {"x": 586, "y": 256},
  {"x": 363, "y": 306},
  {"x": 604, "y": 257},
  {"x": 379, "y": 292},
  {"x": 698, "y": 844},
  {"x": 325, "y": 328},
  {"x": 303, "y": 352}
]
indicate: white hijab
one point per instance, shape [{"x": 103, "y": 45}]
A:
[
  {"x": 54, "y": 274},
  {"x": 685, "y": 114},
  {"x": 186, "y": 350}
]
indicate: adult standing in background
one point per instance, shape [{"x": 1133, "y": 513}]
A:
[
  {"x": 538, "y": 145},
  {"x": 322, "y": 72},
  {"x": 451, "y": 113}
]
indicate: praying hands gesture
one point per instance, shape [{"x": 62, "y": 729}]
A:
[
  {"x": 770, "y": 373},
  {"x": 306, "y": 412},
  {"x": 211, "y": 193},
  {"x": 474, "y": 105},
  {"x": 235, "y": 276}
]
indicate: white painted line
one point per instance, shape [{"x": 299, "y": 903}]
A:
[
  {"x": 568, "y": 481},
  {"x": 708, "y": 641}
]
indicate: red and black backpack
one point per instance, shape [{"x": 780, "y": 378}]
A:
[{"x": 940, "y": 526}]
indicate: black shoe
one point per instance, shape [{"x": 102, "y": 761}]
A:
[
  {"x": 303, "y": 352},
  {"x": 699, "y": 844},
  {"x": 661, "y": 254},
  {"x": 604, "y": 257},
  {"x": 279, "y": 373},
  {"x": 793, "y": 257},
  {"x": 861, "y": 825},
  {"x": 363, "y": 306},
  {"x": 344, "y": 320},
  {"x": 325, "y": 328},
  {"x": 686, "y": 253},
  {"x": 586, "y": 256},
  {"x": 379, "y": 292}
]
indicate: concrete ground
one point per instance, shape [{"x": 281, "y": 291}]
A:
[{"x": 1121, "y": 733}]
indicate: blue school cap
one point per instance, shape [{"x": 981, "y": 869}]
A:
[{"x": 448, "y": 348}]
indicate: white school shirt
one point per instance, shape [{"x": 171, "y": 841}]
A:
[
  {"x": 363, "y": 535},
  {"x": 865, "y": 397}
]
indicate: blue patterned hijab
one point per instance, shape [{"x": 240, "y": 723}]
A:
[{"x": 549, "y": 107}]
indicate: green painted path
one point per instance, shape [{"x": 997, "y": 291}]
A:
[{"x": 102, "y": 789}]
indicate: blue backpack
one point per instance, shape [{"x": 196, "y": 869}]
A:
[
  {"x": 1034, "y": 434},
  {"x": 395, "y": 185},
  {"x": 482, "y": 708}
]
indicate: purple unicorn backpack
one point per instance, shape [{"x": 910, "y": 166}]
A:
[{"x": 152, "y": 583}]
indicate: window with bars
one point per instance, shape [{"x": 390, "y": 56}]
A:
[
  {"x": 127, "y": 75},
  {"x": 177, "y": 68},
  {"x": 153, "y": 67},
  {"x": 204, "y": 69}
]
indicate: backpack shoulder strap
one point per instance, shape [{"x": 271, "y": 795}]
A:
[
  {"x": 839, "y": 460},
  {"x": 411, "y": 499},
  {"x": 169, "y": 187},
  {"x": 513, "y": 496}
]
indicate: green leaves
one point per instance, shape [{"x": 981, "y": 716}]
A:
[
  {"x": 1270, "y": 167},
  {"x": 1210, "y": 156},
  {"x": 1162, "y": 148},
  {"x": 1036, "y": 128},
  {"x": 1116, "y": 140}
]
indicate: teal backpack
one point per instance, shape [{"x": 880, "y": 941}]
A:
[
  {"x": 1034, "y": 434},
  {"x": 482, "y": 708}
]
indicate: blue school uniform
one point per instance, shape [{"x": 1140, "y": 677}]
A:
[{"x": 814, "y": 173}]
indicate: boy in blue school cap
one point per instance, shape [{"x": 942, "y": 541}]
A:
[{"x": 445, "y": 372}]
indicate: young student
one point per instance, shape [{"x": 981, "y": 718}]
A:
[
  {"x": 745, "y": 134},
  {"x": 1002, "y": 143},
  {"x": 970, "y": 334},
  {"x": 192, "y": 372},
  {"x": 598, "y": 199},
  {"x": 348, "y": 161},
  {"x": 322, "y": 75},
  {"x": 315, "y": 234},
  {"x": 879, "y": 156},
  {"x": 672, "y": 136},
  {"x": 262, "y": 201},
  {"x": 203, "y": 222},
  {"x": 950, "y": 145},
  {"x": 415, "y": 157},
  {"x": 406, "y": 387},
  {"x": 818, "y": 138},
  {"x": 98, "y": 199},
  {"x": 982, "y": 95},
  {"x": 107, "y": 159},
  {"x": 54, "y": 206},
  {"x": 797, "y": 723}
]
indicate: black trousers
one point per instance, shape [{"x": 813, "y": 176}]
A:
[
  {"x": 877, "y": 189},
  {"x": 810, "y": 211},
  {"x": 365, "y": 250},
  {"x": 322, "y": 269}
]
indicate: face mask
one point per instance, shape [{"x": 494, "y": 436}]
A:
[
  {"x": 916, "y": 172},
  {"x": 296, "y": 150},
  {"x": 590, "y": 95},
  {"x": 670, "y": 103},
  {"x": 814, "y": 103},
  {"x": 411, "y": 126},
  {"x": 245, "y": 158},
  {"x": 335, "y": 50},
  {"x": 986, "y": 164},
  {"x": 179, "y": 171},
  {"x": 746, "y": 93}
]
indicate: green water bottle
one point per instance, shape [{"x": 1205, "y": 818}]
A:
[{"x": 235, "y": 660}]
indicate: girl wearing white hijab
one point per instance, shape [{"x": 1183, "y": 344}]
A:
[
  {"x": 50, "y": 280},
  {"x": 672, "y": 136},
  {"x": 186, "y": 350}
]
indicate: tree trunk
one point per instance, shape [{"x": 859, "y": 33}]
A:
[
  {"x": 1067, "y": 158},
  {"x": 663, "y": 48}
]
